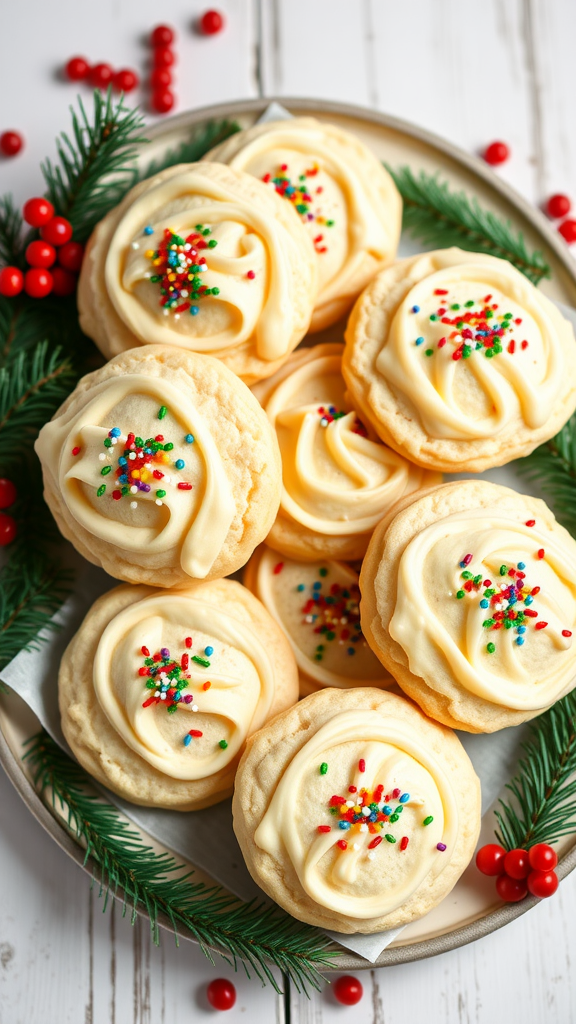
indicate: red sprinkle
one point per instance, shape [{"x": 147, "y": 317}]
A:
[
  {"x": 195, "y": 732},
  {"x": 440, "y": 291},
  {"x": 404, "y": 842},
  {"x": 524, "y": 344},
  {"x": 206, "y": 686},
  {"x": 396, "y": 793},
  {"x": 375, "y": 842},
  {"x": 278, "y": 568},
  {"x": 188, "y": 641},
  {"x": 184, "y": 487},
  {"x": 352, "y": 789},
  {"x": 76, "y": 450},
  {"x": 342, "y": 844},
  {"x": 142, "y": 671},
  {"x": 566, "y": 632},
  {"x": 511, "y": 346},
  {"x": 324, "y": 828},
  {"x": 116, "y": 495},
  {"x": 540, "y": 625},
  {"x": 145, "y": 652},
  {"x": 442, "y": 342},
  {"x": 250, "y": 275},
  {"x": 540, "y": 552},
  {"x": 184, "y": 661},
  {"x": 361, "y": 765},
  {"x": 531, "y": 522},
  {"x": 467, "y": 559},
  {"x": 530, "y": 613}
]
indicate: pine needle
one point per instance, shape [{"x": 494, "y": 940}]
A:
[
  {"x": 203, "y": 139},
  {"x": 553, "y": 467},
  {"x": 10, "y": 229},
  {"x": 254, "y": 934},
  {"x": 439, "y": 217}
]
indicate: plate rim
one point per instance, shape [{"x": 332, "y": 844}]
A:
[{"x": 496, "y": 919}]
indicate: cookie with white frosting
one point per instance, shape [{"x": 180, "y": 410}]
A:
[
  {"x": 161, "y": 467},
  {"x": 317, "y": 606},
  {"x": 159, "y": 690},
  {"x": 459, "y": 362},
  {"x": 345, "y": 197},
  {"x": 205, "y": 258},
  {"x": 354, "y": 811},
  {"x": 338, "y": 477},
  {"x": 469, "y": 600}
]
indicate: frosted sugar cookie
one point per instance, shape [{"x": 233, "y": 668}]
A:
[
  {"x": 161, "y": 467},
  {"x": 338, "y": 478},
  {"x": 343, "y": 194},
  {"x": 160, "y": 689},
  {"x": 459, "y": 362},
  {"x": 469, "y": 599},
  {"x": 205, "y": 258},
  {"x": 317, "y": 606},
  {"x": 354, "y": 811}
]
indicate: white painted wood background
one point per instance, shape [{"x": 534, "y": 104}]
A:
[{"x": 473, "y": 71}]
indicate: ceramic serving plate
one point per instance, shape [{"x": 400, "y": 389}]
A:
[{"x": 472, "y": 908}]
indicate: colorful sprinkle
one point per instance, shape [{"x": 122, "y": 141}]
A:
[
  {"x": 300, "y": 195},
  {"x": 441, "y": 847},
  {"x": 323, "y": 768},
  {"x": 223, "y": 744},
  {"x": 428, "y": 820}
]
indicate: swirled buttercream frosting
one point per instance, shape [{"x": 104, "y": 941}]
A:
[
  {"x": 204, "y": 258},
  {"x": 343, "y": 194},
  {"x": 462, "y": 358}
]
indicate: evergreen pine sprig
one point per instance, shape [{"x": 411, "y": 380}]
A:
[
  {"x": 252, "y": 933},
  {"x": 543, "y": 805},
  {"x": 439, "y": 217},
  {"x": 203, "y": 139},
  {"x": 10, "y": 230},
  {"x": 553, "y": 467},
  {"x": 97, "y": 165}
]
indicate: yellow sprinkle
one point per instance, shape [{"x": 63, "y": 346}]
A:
[
  {"x": 144, "y": 475},
  {"x": 357, "y": 809},
  {"x": 343, "y": 809},
  {"x": 171, "y": 277},
  {"x": 135, "y": 474},
  {"x": 150, "y": 253}
]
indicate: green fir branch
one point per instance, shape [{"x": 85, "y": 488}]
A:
[
  {"x": 258, "y": 936},
  {"x": 97, "y": 165},
  {"x": 202, "y": 140},
  {"x": 10, "y": 230},
  {"x": 553, "y": 467},
  {"x": 543, "y": 805},
  {"x": 439, "y": 217}
]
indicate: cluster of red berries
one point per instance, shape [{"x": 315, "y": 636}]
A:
[
  {"x": 100, "y": 75},
  {"x": 8, "y": 527},
  {"x": 520, "y": 871},
  {"x": 557, "y": 207},
  {"x": 163, "y": 59},
  {"x": 55, "y": 242}
]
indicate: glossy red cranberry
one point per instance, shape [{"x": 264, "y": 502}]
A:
[
  {"x": 77, "y": 69},
  {"x": 101, "y": 76},
  {"x": 348, "y": 990},
  {"x": 57, "y": 231},
  {"x": 8, "y": 493},
  {"x": 160, "y": 78},
  {"x": 8, "y": 529},
  {"x": 490, "y": 859},
  {"x": 38, "y": 283},
  {"x": 511, "y": 890},
  {"x": 70, "y": 256},
  {"x": 542, "y": 857},
  {"x": 517, "y": 864},
  {"x": 38, "y": 211},
  {"x": 496, "y": 153},
  {"x": 212, "y": 22},
  {"x": 543, "y": 883},
  {"x": 558, "y": 206},
  {"x": 11, "y": 281},
  {"x": 221, "y": 994},
  {"x": 64, "y": 283},
  {"x": 40, "y": 254},
  {"x": 162, "y": 35},
  {"x": 10, "y": 143},
  {"x": 162, "y": 100},
  {"x": 126, "y": 80}
]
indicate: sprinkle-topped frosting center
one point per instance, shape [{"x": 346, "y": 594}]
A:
[
  {"x": 306, "y": 195},
  {"x": 178, "y": 267},
  {"x": 472, "y": 325}
]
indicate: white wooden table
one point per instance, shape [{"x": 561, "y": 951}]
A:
[{"x": 473, "y": 71}]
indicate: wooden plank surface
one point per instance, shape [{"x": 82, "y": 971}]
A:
[{"x": 471, "y": 70}]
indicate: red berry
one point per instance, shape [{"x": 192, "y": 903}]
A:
[
  {"x": 11, "y": 281},
  {"x": 57, "y": 231},
  {"x": 162, "y": 100},
  {"x": 101, "y": 76},
  {"x": 8, "y": 529},
  {"x": 162, "y": 35},
  {"x": 37, "y": 212},
  {"x": 511, "y": 890},
  {"x": 517, "y": 864},
  {"x": 211, "y": 23},
  {"x": 543, "y": 883},
  {"x": 7, "y": 493},
  {"x": 77, "y": 69},
  {"x": 40, "y": 254},
  {"x": 126, "y": 80},
  {"x": 70, "y": 256},
  {"x": 163, "y": 57},
  {"x": 38, "y": 283},
  {"x": 568, "y": 231},
  {"x": 496, "y": 153},
  {"x": 542, "y": 857},
  {"x": 160, "y": 78},
  {"x": 490, "y": 859},
  {"x": 221, "y": 994},
  {"x": 348, "y": 990},
  {"x": 64, "y": 283},
  {"x": 558, "y": 205},
  {"x": 11, "y": 143}
]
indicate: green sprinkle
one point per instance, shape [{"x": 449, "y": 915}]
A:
[
  {"x": 330, "y": 635},
  {"x": 323, "y": 768},
  {"x": 206, "y": 231},
  {"x": 107, "y": 442},
  {"x": 466, "y": 351},
  {"x": 100, "y": 490},
  {"x": 329, "y": 223},
  {"x": 168, "y": 447},
  {"x": 160, "y": 494},
  {"x": 503, "y": 570},
  {"x": 394, "y": 817},
  {"x": 223, "y": 744},
  {"x": 199, "y": 227},
  {"x": 389, "y": 838},
  {"x": 488, "y": 623},
  {"x": 320, "y": 647},
  {"x": 162, "y": 412},
  {"x": 489, "y": 314},
  {"x": 317, "y": 657},
  {"x": 459, "y": 594},
  {"x": 466, "y": 575},
  {"x": 429, "y": 352},
  {"x": 489, "y": 592},
  {"x": 200, "y": 661},
  {"x": 432, "y": 317},
  {"x": 455, "y": 306},
  {"x": 489, "y": 353},
  {"x": 323, "y": 572},
  {"x": 172, "y": 709},
  {"x": 428, "y": 820},
  {"x": 105, "y": 470},
  {"x": 469, "y": 303},
  {"x": 508, "y": 316},
  {"x": 460, "y": 324},
  {"x": 215, "y": 291},
  {"x": 490, "y": 648},
  {"x": 212, "y": 243},
  {"x": 478, "y": 579}
]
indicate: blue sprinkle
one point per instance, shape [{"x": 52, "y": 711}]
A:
[
  {"x": 528, "y": 600},
  {"x": 519, "y": 640},
  {"x": 386, "y": 809},
  {"x": 300, "y": 588},
  {"x": 521, "y": 566},
  {"x": 484, "y": 603},
  {"x": 344, "y": 825},
  {"x": 512, "y": 600},
  {"x": 194, "y": 310},
  {"x": 123, "y": 479},
  {"x": 317, "y": 585},
  {"x": 415, "y": 309},
  {"x": 351, "y": 650},
  {"x": 462, "y": 565},
  {"x": 521, "y": 629},
  {"x": 122, "y": 461},
  {"x": 189, "y": 438},
  {"x": 187, "y": 740},
  {"x": 404, "y": 798},
  {"x": 179, "y": 463},
  {"x": 208, "y": 651},
  {"x": 373, "y": 817},
  {"x": 148, "y": 230},
  {"x": 115, "y": 432},
  {"x": 419, "y": 341}
]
